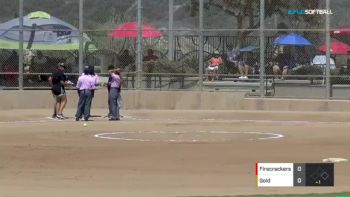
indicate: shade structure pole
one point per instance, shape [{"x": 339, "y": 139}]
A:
[
  {"x": 20, "y": 51},
  {"x": 171, "y": 32},
  {"x": 328, "y": 54},
  {"x": 262, "y": 48},
  {"x": 81, "y": 36},
  {"x": 139, "y": 44},
  {"x": 201, "y": 46}
]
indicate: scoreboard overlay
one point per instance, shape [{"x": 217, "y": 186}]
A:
[{"x": 294, "y": 174}]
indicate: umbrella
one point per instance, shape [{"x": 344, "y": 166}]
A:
[
  {"x": 341, "y": 31},
  {"x": 41, "y": 32},
  {"x": 129, "y": 30},
  {"x": 342, "y": 34},
  {"x": 336, "y": 47},
  {"x": 248, "y": 49},
  {"x": 292, "y": 39}
]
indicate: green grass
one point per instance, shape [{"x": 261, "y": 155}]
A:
[{"x": 291, "y": 195}]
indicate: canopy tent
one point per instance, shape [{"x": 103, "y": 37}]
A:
[{"x": 42, "y": 32}]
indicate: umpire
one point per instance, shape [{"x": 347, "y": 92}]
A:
[{"x": 85, "y": 85}]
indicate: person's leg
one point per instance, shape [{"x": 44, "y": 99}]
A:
[
  {"x": 119, "y": 101},
  {"x": 118, "y": 106},
  {"x": 284, "y": 72},
  {"x": 216, "y": 72},
  {"x": 246, "y": 70},
  {"x": 80, "y": 106},
  {"x": 113, "y": 101},
  {"x": 109, "y": 106},
  {"x": 276, "y": 69},
  {"x": 87, "y": 106},
  {"x": 241, "y": 70},
  {"x": 55, "y": 106},
  {"x": 62, "y": 104},
  {"x": 58, "y": 105}
]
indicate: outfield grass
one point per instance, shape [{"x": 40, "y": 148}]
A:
[{"x": 291, "y": 195}]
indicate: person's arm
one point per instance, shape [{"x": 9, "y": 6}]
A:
[
  {"x": 50, "y": 81},
  {"x": 78, "y": 83},
  {"x": 97, "y": 80},
  {"x": 221, "y": 62}
]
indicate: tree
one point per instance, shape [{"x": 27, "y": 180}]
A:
[{"x": 247, "y": 12}]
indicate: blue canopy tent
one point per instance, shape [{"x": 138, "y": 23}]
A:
[{"x": 42, "y": 32}]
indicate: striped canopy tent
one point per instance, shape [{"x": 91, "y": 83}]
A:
[{"x": 42, "y": 32}]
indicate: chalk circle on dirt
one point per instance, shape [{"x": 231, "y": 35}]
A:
[{"x": 188, "y": 136}]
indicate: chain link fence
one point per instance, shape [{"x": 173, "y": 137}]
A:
[{"x": 182, "y": 42}]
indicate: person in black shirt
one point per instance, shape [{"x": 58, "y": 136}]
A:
[{"x": 57, "y": 81}]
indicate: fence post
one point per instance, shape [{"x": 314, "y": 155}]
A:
[
  {"x": 81, "y": 36},
  {"x": 20, "y": 55},
  {"x": 201, "y": 45},
  {"x": 139, "y": 44},
  {"x": 328, "y": 41},
  {"x": 262, "y": 48}
]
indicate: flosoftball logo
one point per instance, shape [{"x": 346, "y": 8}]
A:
[{"x": 309, "y": 12}]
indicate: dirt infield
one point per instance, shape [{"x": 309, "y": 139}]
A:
[{"x": 164, "y": 152}]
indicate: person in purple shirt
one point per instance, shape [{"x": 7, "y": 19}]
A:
[
  {"x": 114, "y": 94},
  {"x": 85, "y": 84},
  {"x": 110, "y": 69}
]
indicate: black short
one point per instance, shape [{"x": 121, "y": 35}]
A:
[{"x": 59, "y": 91}]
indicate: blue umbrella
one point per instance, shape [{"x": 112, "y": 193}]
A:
[
  {"x": 248, "y": 49},
  {"x": 292, "y": 39}
]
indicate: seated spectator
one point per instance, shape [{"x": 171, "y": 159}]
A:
[
  {"x": 214, "y": 63},
  {"x": 245, "y": 65},
  {"x": 280, "y": 65},
  {"x": 233, "y": 58}
]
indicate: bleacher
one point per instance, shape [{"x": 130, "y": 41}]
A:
[{"x": 250, "y": 85}]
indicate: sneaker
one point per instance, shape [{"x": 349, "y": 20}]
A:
[
  {"x": 77, "y": 119},
  {"x": 245, "y": 77},
  {"x": 53, "y": 116},
  {"x": 113, "y": 119},
  {"x": 60, "y": 116},
  {"x": 241, "y": 77}
]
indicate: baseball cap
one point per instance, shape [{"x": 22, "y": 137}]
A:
[{"x": 62, "y": 64}]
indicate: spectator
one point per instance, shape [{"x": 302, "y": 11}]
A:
[
  {"x": 214, "y": 63},
  {"x": 11, "y": 65},
  {"x": 40, "y": 65},
  {"x": 233, "y": 58},
  {"x": 280, "y": 64},
  {"x": 240, "y": 61},
  {"x": 149, "y": 61},
  {"x": 126, "y": 60},
  {"x": 245, "y": 64}
]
